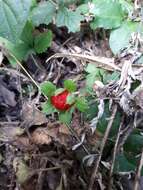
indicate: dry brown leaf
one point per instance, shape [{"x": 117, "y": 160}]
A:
[
  {"x": 32, "y": 115},
  {"x": 10, "y": 133},
  {"x": 40, "y": 136},
  {"x": 64, "y": 129}
]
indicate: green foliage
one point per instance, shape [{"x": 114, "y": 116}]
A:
[
  {"x": 71, "y": 99},
  {"x": 70, "y": 85},
  {"x": 65, "y": 117},
  {"x": 94, "y": 74},
  {"x": 118, "y": 42},
  {"x": 81, "y": 104},
  {"x": 108, "y": 14},
  {"x": 70, "y": 19},
  {"x": 43, "y": 13},
  {"x": 122, "y": 164},
  {"x": 47, "y": 108},
  {"x": 134, "y": 143},
  {"x": 42, "y": 41},
  {"x": 47, "y": 88},
  {"x": 14, "y": 15}
]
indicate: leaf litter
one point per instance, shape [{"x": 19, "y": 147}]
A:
[{"x": 40, "y": 153}]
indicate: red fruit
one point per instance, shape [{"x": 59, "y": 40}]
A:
[{"x": 59, "y": 101}]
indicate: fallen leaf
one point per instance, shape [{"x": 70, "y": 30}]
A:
[
  {"x": 10, "y": 133},
  {"x": 32, "y": 115},
  {"x": 21, "y": 170}
]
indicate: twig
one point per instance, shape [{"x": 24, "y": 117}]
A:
[
  {"x": 101, "y": 62},
  {"x": 138, "y": 173},
  {"x": 78, "y": 139},
  {"x": 115, "y": 151},
  {"x": 35, "y": 83},
  {"x": 95, "y": 169}
]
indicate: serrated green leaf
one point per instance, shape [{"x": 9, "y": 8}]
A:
[
  {"x": 47, "y": 88},
  {"x": 42, "y": 41},
  {"x": 65, "y": 117},
  {"x": 108, "y": 14},
  {"x": 70, "y": 85},
  {"x": 13, "y": 17},
  {"x": 81, "y": 104},
  {"x": 19, "y": 50},
  {"x": 47, "y": 108},
  {"x": 70, "y": 99},
  {"x": 118, "y": 42},
  {"x": 27, "y": 36},
  {"x": 43, "y": 13},
  {"x": 70, "y": 19}
]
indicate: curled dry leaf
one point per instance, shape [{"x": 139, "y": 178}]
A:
[
  {"x": 40, "y": 136},
  {"x": 58, "y": 133}
]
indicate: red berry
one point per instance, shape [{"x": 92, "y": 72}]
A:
[{"x": 59, "y": 101}]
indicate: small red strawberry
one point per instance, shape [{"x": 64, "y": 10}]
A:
[{"x": 59, "y": 101}]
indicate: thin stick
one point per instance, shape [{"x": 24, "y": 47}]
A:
[
  {"x": 102, "y": 62},
  {"x": 115, "y": 153},
  {"x": 138, "y": 173},
  {"x": 95, "y": 169},
  {"x": 18, "y": 62},
  {"x": 78, "y": 139}
]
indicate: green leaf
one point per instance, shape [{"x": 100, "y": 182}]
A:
[
  {"x": 127, "y": 6},
  {"x": 47, "y": 108},
  {"x": 19, "y": 50},
  {"x": 81, "y": 104},
  {"x": 47, "y": 88},
  {"x": 42, "y": 41},
  {"x": 27, "y": 36},
  {"x": 70, "y": 85},
  {"x": 70, "y": 19},
  {"x": 70, "y": 99},
  {"x": 123, "y": 165},
  {"x": 91, "y": 69},
  {"x": 83, "y": 8},
  {"x": 95, "y": 74},
  {"x": 108, "y": 14},
  {"x": 134, "y": 143},
  {"x": 13, "y": 17},
  {"x": 43, "y": 13},
  {"x": 65, "y": 117},
  {"x": 118, "y": 42},
  {"x": 111, "y": 77}
]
